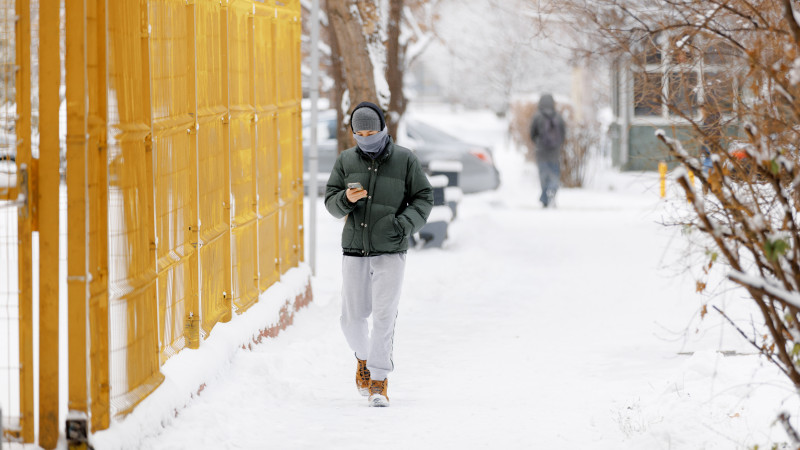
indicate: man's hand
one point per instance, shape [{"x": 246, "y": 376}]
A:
[{"x": 354, "y": 195}]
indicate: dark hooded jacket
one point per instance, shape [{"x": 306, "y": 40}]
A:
[
  {"x": 548, "y": 130},
  {"x": 398, "y": 203}
]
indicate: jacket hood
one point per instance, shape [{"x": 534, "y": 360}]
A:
[
  {"x": 372, "y": 106},
  {"x": 547, "y": 105}
]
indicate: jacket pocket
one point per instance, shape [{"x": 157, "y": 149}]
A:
[{"x": 387, "y": 236}]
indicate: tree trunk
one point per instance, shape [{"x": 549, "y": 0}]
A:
[
  {"x": 394, "y": 67},
  {"x": 344, "y": 138},
  {"x": 354, "y": 55}
]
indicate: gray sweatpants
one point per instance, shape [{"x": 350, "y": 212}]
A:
[{"x": 371, "y": 285}]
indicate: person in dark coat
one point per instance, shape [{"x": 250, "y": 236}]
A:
[
  {"x": 381, "y": 190},
  {"x": 548, "y": 132}
]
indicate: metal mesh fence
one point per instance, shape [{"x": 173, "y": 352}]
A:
[
  {"x": 242, "y": 156},
  {"x": 183, "y": 187},
  {"x": 9, "y": 290},
  {"x": 213, "y": 147},
  {"x": 133, "y": 310},
  {"x": 16, "y": 324}
]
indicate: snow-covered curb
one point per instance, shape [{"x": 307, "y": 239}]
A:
[{"x": 187, "y": 373}]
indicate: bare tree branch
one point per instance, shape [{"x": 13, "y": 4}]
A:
[
  {"x": 790, "y": 431},
  {"x": 760, "y": 349},
  {"x": 792, "y": 21}
]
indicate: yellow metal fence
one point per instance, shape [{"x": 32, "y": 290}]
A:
[{"x": 183, "y": 179}]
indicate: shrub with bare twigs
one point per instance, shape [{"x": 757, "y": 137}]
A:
[{"x": 746, "y": 208}]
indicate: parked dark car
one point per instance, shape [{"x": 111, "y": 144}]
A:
[{"x": 430, "y": 144}]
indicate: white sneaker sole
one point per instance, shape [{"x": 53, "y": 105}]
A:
[
  {"x": 378, "y": 401},
  {"x": 364, "y": 392}
]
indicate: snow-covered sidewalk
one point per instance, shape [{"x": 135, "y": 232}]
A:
[{"x": 560, "y": 329}]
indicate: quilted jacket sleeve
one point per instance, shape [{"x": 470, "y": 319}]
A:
[{"x": 335, "y": 199}]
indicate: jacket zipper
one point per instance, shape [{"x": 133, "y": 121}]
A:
[
  {"x": 368, "y": 213},
  {"x": 373, "y": 177}
]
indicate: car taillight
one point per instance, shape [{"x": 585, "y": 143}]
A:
[{"x": 482, "y": 154}]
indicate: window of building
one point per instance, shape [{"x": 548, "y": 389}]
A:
[
  {"x": 647, "y": 94},
  {"x": 650, "y": 53},
  {"x": 719, "y": 53},
  {"x": 682, "y": 93},
  {"x": 679, "y": 74},
  {"x": 720, "y": 91}
]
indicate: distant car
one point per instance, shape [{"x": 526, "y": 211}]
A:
[
  {"x": 429, "y": 143},
  {"x": 326, "y": 145}
]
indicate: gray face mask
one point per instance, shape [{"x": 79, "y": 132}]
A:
[{"x": 373, "y": 144}]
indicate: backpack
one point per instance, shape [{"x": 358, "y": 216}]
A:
[{"x": 551, "y": 135}]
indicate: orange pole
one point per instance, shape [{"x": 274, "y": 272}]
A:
[
  {"x": 26, "y": 216},
  {"x": 48, "y": 199},
  {"x": 77, "y": 216}
]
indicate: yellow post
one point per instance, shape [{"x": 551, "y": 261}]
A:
[
  {"x": 662, "y": 175},
  {"x": 48, "y": 200},
  {"x": 77, "y": 217},
  {"x": 98, "y": 213},
  {"x": 26, "y": 215}
]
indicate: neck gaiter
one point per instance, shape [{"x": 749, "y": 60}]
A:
[{"x": 372, "y": 145}]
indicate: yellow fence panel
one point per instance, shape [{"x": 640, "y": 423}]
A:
[
  {"x": 289, "y": 222},
  {"x": 214, "y": 240},
  {"x": 268, "y": 198},
  {"x": 267, "y": 145},
  {"x": 287, "y": 35},
  {"x": 9, "y": 302},
  {"x": 243, "y": 181},
  {"x": 264, "y": 41},
  {"x": 174, "y": 140},
  {"x": 134, "y": 347},
  {"x": 16, "y": 283},
  {"x": 288, "y": 51}
]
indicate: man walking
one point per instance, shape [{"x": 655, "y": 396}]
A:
[
  {"x": 548, "y": 132},
  {"x": 381, "y": 190}
]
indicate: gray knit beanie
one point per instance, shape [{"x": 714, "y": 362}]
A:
[{"x": 365, "y": 118}]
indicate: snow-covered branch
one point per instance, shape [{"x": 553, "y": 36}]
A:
[{"x": 771, "y": 289}]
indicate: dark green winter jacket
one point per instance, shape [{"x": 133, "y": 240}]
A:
[{"x": 398, "y": 203}]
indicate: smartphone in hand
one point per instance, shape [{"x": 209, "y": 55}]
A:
[{"x": 355, "y": 185}]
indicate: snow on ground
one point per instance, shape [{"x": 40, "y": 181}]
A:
[
  {"x": 574, "y": 327},
  {"x": 566, "y": 328}
]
